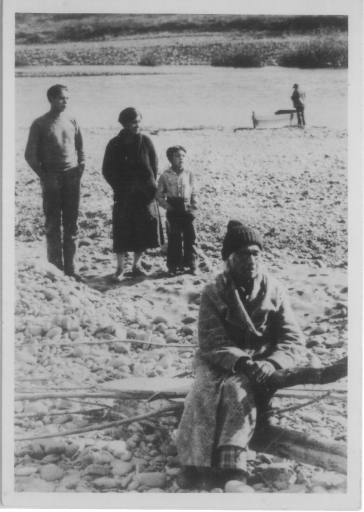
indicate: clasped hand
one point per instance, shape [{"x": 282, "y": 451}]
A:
[{"x": 258, "y": 371}]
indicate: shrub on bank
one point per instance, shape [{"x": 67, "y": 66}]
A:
[
  {"x": 321, "y": 52},
  {"x": 148, "y": 59},
  {"x": 247, "y": 57},
  {"x": 21, "y": 61}
]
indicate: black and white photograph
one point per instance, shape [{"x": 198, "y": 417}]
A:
[{"x": 182, "y": 254}]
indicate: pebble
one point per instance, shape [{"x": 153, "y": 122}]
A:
[
  {"x": 187, "y": 330},
  {"x": 237, "y": 486},
  {"x": 105, "y": 483},
  {"x": 37, "y": 452},
  {"x": 320, "y": 329},
  {"x": 18, "y": 406},
  {"x": 311, "y": 417},
  {"x": 97, "y": 469},
  {"x": 122, "y": 468},
  {"x": 71, "y": 450},
  {"x": 25, "y": 357},
  {"x": 139, "y": 463},
  {"x": 103, "y": 458},
  {"x": 172, "y": 338},
  {"x": 160, "y": 320},
  {"x": 117, "y": 448},
  {"x": 340, "y": 419},
  {"x": 54, "y": 447},
  {"x": 295, "y": 489},
  {"x": 189, "y": 320},
  {"x": 51, "y": 472},
  {"x": 85, "y": 241},
  {"x": 36, "y": 407},
  {"x": 50, "y": 294},
  {"x": 39, "y": 485},
  {"x": 329, "y": 479},
  {"x": 133, "y": 486},
  {"x": 25, "y": 470},
  {"x": 151, "y": 479},
  {"x": 318, "y": 489}
]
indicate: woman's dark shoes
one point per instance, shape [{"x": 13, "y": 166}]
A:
[
  {"x": 188, "y": 477},
  {"x": 118, "y": 276}
]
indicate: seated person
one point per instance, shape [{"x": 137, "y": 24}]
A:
[{"x": 247, "y": 331}]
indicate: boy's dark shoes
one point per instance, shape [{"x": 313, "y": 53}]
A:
[
  {"x": 172, "y": 272},
  {"x": 77, "y": 277},
  {"x": 188, "y": 477}
]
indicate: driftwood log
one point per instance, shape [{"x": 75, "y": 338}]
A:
[
  {"x": 267, "y": 438},
  {"x": 291, "y": 444}
]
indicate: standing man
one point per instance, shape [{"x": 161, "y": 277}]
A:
[
  {"x": 298, "y": 99},
  {"x": 55, "y": 153}
]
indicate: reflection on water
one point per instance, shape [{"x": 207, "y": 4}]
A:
[{"x": 188, "y": 96}]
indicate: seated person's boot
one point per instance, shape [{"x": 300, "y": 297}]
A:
[{"x": 188, "y": 477}]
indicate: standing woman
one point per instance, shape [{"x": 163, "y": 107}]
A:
[{"x": 130, "y": 168}]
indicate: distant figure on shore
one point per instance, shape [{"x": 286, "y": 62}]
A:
[
  {"x": 298, "y": 99},
  {"x": 130, "y": 168},
  {"x": 55, "y": 153},
  {"x": 177, "y": 194}
]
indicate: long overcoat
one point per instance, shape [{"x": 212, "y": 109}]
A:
[
  {"x": 131, "y": 171},
  {"x": 227, "y": 331}
]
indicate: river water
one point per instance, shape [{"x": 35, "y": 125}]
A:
[{"x": 184, "y": 96}]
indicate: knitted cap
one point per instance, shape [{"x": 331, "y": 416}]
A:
[
  {"x": 171, "y": 151},
  {"x": 238, "y": 235}
]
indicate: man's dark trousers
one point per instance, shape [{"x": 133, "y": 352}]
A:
[
  {"x": 61, "y": 200},
  {"x": 181, "y": 227},
  {"x": 301, "y": 116}
]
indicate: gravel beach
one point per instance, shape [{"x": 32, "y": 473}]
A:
[{"x": 288, "y": 183}]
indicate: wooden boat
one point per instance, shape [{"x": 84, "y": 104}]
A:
[{"x": 280, "y": 119}]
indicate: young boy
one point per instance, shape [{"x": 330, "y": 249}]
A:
[
  {"x": 55, "y": 153},
  {"x": 177, "y": 194}
]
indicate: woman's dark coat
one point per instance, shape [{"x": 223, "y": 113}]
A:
[{"x": 131, "y": 171}]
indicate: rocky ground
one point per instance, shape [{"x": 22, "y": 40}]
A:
[{"x": 291, "y": 185}]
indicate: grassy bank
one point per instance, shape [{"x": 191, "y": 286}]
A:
[
  {"x": 327, "y": 50},
  {"x": 219, "y": 49}
]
